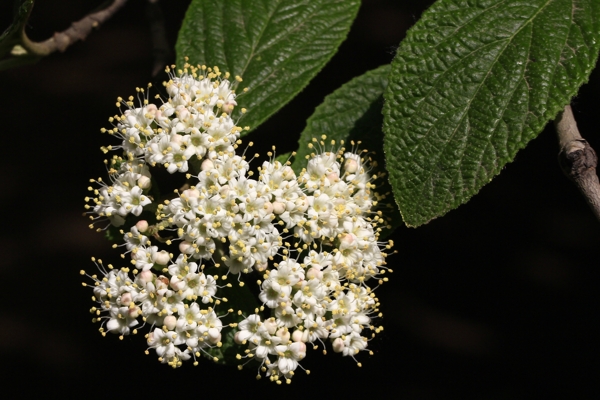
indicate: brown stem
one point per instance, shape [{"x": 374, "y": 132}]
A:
[
  {"x": 577, "y": 159},
  {"x": 78, "y": 30}
]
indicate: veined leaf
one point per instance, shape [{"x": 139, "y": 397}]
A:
[
  {"x": 473, "y": 82},
  {"x": 276, "y": 46}
]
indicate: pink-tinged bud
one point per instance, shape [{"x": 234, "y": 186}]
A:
[
  {"x": 288, "y": 173},
  {"x": 260, "y": 267},
  {"x": 146, "y": 276},
  {"x": 182, "y": 113},
  {"x": 170, "y": 322},
  {"x": 207, "y": 165},
  {"x": 314, "y": 273},
  {"x": 284, "y": 334},
  {"x": 186, "y": 247},
  {"x": 301, "y": 350},
  {"x": 176, "y": 138},
  {"x": 237, "y": 339},
  {"x": 278, "y": 207},
  {"x": 215, "y": 340},
  {"x": 301, "y": 204},
  {"x": 338, "y": 345},
  {"x": 151, "y": 109},
  {"x": 228, "y": 107},
  {"x": 268, "y": 207},
  {"x": 144, "y": 182},
  {"x": 214, "y": 336},
  {"x": 126, "y": 299},
  {"x": 142, "y": 226},
  {"x": 191, "y": 193},
  {"x": 161, "y": 258},
  {"x": 271, "y": 326},
  {"x": 350, "y": 165},
  {"x": 134, "y": 312},
  {"x": 176, "y": 283},
  {"x": 333, "y": 177},
  {"x": 348, "y": 239},
  {"x": 224, "y": 191},
  {"x": 297, "y": 336}
]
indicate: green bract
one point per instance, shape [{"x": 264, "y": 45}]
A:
[{"x": 474, "y": 82}]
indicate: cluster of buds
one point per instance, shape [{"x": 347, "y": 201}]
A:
[{"x": 309, "y": 238}]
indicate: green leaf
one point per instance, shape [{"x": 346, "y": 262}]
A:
[
  {"x": 276, "y": 46},
  {"x": 473, "y": 82},
  {"x": 353, "y": 113}
]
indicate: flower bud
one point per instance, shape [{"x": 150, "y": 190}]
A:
[
  {"x": 301, "y": 348},
  {"x": 186, "y": 247},
  {"x": 142, "y": 226},
  {"x": 207, "y": 165},
  {"x": 338, "y": 345},
  {"x": 301, "y": 204},
  {"x": 314, "y": 273},
  {"x": 224, "y": 191},
  {"x": 236, "y": 338},
  {"x": 146, "y": 276},
  {"x": 215, "y": 340},
  {"x": 170, "y": 322},
  {"x": 228, "y": 107},
  {"x": 191, "y": 193},
  {"x": 288, "y": 173},
  {"x": 134, "y": 312},
  {"x": 271, "y": 326},
  {"x": 176, "y": 283},
  {"x": 333, "y": 177},
  {"x": 260, "y": 267},
  {"x": 144, "y": 182},
  {"x": 214, "y": 336},
  {"x": 176, "y": 138},
  {"x": 297, "y": 336},
  {"x": 278, "y": 207},
  {"x": 349, "y": 239},
  {"x": 350, "y": 165},
  {"x": 268, "y": 207},
  {"x": 182, "y": 113},
  {"x": 161, "y": 258},
  {"x": 284, "y": 334},
  {"x": 126, "y": 298}
]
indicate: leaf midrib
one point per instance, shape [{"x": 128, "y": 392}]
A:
[{"x": 468, "y": 104}]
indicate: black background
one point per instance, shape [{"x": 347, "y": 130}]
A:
[{"x": 496, "y": 300}]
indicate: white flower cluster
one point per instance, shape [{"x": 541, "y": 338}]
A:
[{"x": 313, "y": 237}]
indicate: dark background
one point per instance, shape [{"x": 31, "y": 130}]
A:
[{"x": 496, "y": 300}]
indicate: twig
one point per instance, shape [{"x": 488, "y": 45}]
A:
[
  {"x": 77, "y": 31},
  {"x": 577, "y": 159}
]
